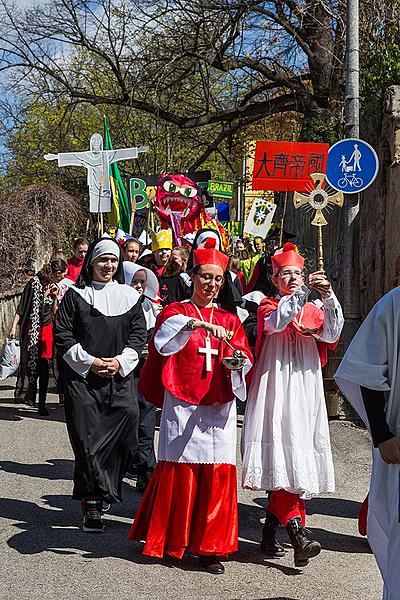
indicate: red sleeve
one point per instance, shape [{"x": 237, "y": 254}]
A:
[{"x": 150, "y": 380}]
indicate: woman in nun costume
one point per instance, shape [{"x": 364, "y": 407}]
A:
[{"x": 100, "y": 331}]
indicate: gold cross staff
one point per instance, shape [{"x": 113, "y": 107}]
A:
[
  {"x": 209, "y": 353},
  {"x": 318, "y": 199}
]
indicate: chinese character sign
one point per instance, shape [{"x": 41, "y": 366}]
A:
[
  {"x": 287, "y": 166},
  {"x": 260, "y": 218}
]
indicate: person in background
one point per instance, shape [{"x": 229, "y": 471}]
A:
[
  {"x": 229, "y": 295},
  {"x": 161, "y": 247},
  {"x": 75, "y": 263},
  {"x": 145, "y": 283},
  {"x": 236, "y": 273},
  {"x": 34, "y": 316},
  {"x": 175, "y": 283},
  {"x": 131, "y": 250},
  {"x": 239, "y": 246}
]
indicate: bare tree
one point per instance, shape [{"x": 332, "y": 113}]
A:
[{"x": 207, "y": 67}]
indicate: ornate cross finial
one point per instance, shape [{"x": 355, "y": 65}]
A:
[{"x": 318, "y": 199}]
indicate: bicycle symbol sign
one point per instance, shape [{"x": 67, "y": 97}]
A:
[{"x": 352, "y": 166}]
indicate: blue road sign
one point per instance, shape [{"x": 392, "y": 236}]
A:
[{"x": 352, "y": 166}]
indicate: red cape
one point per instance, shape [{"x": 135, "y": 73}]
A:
[
  {"x": 183, "y": 374},
  {"x": 310, "y": 317}
]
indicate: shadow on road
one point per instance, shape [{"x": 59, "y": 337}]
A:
[
  {"x": 19, "y": 411},
  {"x": 52, "y": 469},
  {"x": 54, "y": 527},
  {"x": 337, "y": 507}
]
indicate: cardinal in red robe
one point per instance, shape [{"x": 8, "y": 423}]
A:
[{"x": 198, "y": 359}]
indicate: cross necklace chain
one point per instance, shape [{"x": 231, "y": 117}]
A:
[{"x": 207, "y": 350}]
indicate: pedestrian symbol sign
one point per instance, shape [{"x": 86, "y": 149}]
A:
[{"x": 352, "y": 166}]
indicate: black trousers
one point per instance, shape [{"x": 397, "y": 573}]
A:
[
  {"x": 43, "y": 372},
  {"x": 145, "y": 458}
]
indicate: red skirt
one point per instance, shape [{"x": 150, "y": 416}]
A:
[
  {"x": 46, "y": 341},
  {"x": 190, "y": 506}
]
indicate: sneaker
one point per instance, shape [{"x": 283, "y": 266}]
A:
[{"x": 91, "y": 515}]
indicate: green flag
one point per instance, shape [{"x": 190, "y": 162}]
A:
[{"x": 120, "y": 215}]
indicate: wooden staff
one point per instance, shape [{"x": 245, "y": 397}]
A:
[
  {"x": 283, "y": 219},
  {"x": 133, "y": 212},
  {"x": 320, "y": 249}
]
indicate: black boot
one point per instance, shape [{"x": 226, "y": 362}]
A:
[
  {"x": 303, "y": 547},
  {"x": 269, "y": 543}
]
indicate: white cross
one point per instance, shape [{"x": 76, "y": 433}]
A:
[{"x": 209, "y": 352}]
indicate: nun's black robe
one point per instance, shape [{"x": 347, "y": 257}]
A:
[{"x": 101, "y": 413}]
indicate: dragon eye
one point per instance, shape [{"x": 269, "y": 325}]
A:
[
  {"x": 170, "y": 187},
  {"x": 189, "y": 192}
]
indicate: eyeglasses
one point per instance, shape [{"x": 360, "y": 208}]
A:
[
  {"x": 286, "y": 274},
  {"x": 206, "y": 278}
]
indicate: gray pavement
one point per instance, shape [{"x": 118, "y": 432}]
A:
[{"x": 45, "y": 556}]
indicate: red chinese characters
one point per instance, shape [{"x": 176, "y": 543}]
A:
[{"x": 286, "y": 166}]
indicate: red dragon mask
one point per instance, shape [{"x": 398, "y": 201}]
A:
[{"x": 178, "y": 202}]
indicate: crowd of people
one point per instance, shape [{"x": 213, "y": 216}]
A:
[{"x": 128, "y": 329}]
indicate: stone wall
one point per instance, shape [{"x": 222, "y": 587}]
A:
[{"x": 8, "y": 304}]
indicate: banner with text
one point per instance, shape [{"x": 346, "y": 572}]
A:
[{"x": 286, "y": 166}]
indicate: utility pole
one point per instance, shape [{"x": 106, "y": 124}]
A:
[{"x": 350, "y": 289}]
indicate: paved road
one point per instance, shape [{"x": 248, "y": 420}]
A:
[{"x": 45, "y": 556}]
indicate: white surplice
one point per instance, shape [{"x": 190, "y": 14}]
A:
[
  {"x": 194, "y": 433},
  {"x": 285, "y": 439},
  {"x": 372, "y": 360}
]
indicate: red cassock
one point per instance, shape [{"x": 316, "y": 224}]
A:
[{"x": 191, "y": 500}]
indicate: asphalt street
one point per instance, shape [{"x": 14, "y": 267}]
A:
[{"x": 45, "y": 555}]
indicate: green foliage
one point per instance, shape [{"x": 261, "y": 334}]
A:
[
  {"x": 381, "y": 52},
  {"x": 316, "y": 129}
]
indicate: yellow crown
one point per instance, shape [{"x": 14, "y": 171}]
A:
[{"x": 161, "y": 239}]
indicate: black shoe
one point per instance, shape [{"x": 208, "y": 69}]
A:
[
  {"x": 304, "y": 548},
  {"x": 42, "y": 410},
  {"x": 212, "y": 565},
  {"x": 143, "y": 481},
  {"x": 269, "y": 544},
  {"x": 91, "y": 515}
]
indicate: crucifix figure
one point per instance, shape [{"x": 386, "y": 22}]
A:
[
  {"x": 209, "y": 352},
  {"x": 97, "y": 162}
]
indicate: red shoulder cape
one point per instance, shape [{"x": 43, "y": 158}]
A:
[
  {"x": 309, "y": 318},
  {"x": 183, "y": 374}
]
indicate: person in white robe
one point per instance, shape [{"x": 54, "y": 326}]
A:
[
  {"x": 285, "y": 441},
  {"x": 369, "y": 377}
]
